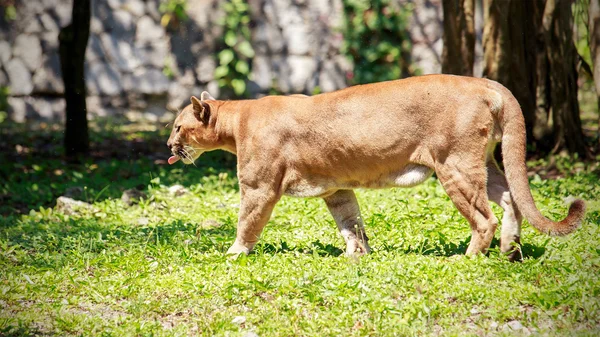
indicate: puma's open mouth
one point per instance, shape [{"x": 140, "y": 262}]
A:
[{"x": 187, "y": 155}]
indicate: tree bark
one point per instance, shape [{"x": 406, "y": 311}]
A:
[
  {"x": 510, "y": 50},
  {"x": 562, "y": 65},
  {"x": 594, "y": 29},
  {"x": 459, "y": 37},
  {"x": 73, "y": 41}
]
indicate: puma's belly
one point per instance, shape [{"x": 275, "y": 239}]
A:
[{"x": 410, "y": 175}]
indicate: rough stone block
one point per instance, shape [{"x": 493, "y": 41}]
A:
[
  {"x": 103, "y": 79},
  {"x": 19, "y": 77},
  {"x": 206, "y": 69},
  {"x": 302, "y": 69},
  {"x": 148, "y": 30},
  {"x": 5, "y": 52},
  {"x": 120, "y": 52},
  {"x": 48, "y": 78},
  {"x": 150, "y": 81},
  {"x": 28, "y": 48}
]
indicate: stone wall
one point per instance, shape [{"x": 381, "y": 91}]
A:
[{"x": 297, "y": 46}]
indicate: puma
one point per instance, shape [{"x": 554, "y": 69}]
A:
[{"x": 389, "y": 134}]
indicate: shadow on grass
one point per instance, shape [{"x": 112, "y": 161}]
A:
[
  {"x": 315, "y": 247},
  {"x": 443, "y": 247},
  {"x": 34, "y": 171},
  {"x": 221, "y": 238}
]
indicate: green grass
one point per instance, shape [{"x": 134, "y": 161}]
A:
[{"x": 158, "y": 268}]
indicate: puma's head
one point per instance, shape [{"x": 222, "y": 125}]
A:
[{"x": 193, "y": 131}]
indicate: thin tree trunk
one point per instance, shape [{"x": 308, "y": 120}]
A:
[
  {"x": 510, "y": 47},
  {"x": 594, "y": 27},
  {"x": 459, "y": 37},
  {"x": 73, "y": 41},
  {"x": 562, "y": 62}
]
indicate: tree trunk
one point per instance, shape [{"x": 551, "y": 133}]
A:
[
  {"x": 594, "y": 27},
  {"x": 510, "y": 47},
  {"x": 459, "y": 37},
  {"x": 562, "y": 66},
  {"x": 73, "y": 41}
]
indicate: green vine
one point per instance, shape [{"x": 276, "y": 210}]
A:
[
  {"x": 236, "y": 53},
  {"x": 173, "y": 13},
  {"x": 376, "y": 39}
]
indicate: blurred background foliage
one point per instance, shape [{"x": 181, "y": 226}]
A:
[
  {"x": 376, "y": 40},
  {"x": 236, "y": 52}
]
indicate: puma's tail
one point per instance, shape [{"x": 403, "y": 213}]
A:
[{"x": 513, "y": 152}]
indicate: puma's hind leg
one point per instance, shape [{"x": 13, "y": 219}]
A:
[
  {"x": 499, "y": 193},
  {"x": 346, "y": 213},
  {"x": 464, "y": 179}
]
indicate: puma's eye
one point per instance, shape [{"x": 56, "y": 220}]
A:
[{"x": 178, "y": 128}]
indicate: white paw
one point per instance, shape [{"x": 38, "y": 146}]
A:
[
  {"x": 356, "y": 247},
  {"x": 238, "y": 249}
]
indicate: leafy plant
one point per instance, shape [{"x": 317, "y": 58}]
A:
[
  {"x": 237, "y": 53},
  {"x": 4, "y": 92},
  {"x": 376, "y": 39}
]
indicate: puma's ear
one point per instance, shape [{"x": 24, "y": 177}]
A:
[
  {"x": 206, "y": 96},
  {"x": 201, "y": 110}
]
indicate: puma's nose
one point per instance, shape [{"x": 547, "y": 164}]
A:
[{"x": 169, "y": 145}]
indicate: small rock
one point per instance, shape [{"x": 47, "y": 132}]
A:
[
  {"x": 515, "y": 325},
  {"x": 132, "y": 196},
  {"x": 211, "y": 223},
  {"x": 494, "y": 325},
  {"x": 70, "y": 206},
  {"x": 143, "y": 221},
  {"x": 178, "y": 190},
  {"x": 74, "y": 192},
  {"x": 250, "y": 334},
  {"x": 239, "y": 320}
]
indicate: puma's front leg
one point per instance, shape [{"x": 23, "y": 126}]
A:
[
  {"x": 344, "y": 208},
  {"x": 255, "y": 210}
]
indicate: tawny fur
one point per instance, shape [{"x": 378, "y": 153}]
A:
[{"x": 374, "y": 136}]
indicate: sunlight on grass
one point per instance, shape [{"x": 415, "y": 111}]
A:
[{"x": 158, "y": 268}]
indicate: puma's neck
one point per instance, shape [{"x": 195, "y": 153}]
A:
[{"x": 227, "y": 122}]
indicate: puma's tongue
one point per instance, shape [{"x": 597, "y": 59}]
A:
[{"x": 173, "y": 159}]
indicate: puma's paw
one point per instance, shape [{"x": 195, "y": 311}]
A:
[
  {"x": 238, "y": 249},
  {"x": 355, "y": 247}
]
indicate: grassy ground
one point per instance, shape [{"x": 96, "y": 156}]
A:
[{"x": 157, "y": 268}]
